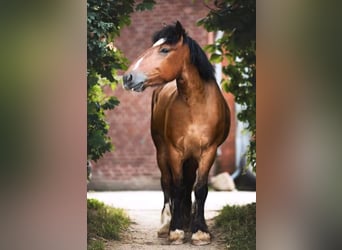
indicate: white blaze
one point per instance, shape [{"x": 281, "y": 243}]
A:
[
  {"x": 159, "y": 42},
  {"x": 138, "y": 63}
]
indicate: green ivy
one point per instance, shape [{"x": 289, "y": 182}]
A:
[
  {"x": 105, "y": 19},
  {"x": 237, "y": 19}
]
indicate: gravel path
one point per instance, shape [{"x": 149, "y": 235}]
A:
[{"x": 144, "y": 209}]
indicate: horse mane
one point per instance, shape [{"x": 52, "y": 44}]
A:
[{"x": 172, "y": 34}]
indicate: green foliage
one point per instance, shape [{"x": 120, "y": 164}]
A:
[
  {"x": 105, "y": 19},
  {"x": 104, "y": 222},
  {"x": 145, "y": 5},
  {"x": 239, "y": 225},
  {"x": 96, "y": 245},
  {"x": 237, "y": 19}
]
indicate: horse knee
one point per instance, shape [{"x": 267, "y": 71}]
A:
[
  {"x": 178, "y": 190},
  {"x": 165, "y": 183},
  {"x": 201, "y": 192}
]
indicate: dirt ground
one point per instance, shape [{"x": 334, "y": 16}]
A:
[
  {"x": 144, "y": 208},
  {"x": 143, "y": 234}
]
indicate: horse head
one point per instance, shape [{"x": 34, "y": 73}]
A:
[{"x": 160, "y": 63}]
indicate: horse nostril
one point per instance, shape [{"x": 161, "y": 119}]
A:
[{"x": 127, "y": 77}]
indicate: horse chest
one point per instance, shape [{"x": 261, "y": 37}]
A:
[
  {"x": 193, "y": 141},
  {"x": 191, "y": 137}
]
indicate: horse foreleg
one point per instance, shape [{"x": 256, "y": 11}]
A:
[
  {"x": 200, "y": 233},
  {"x": 166, "y": 182},
  {"x": 166, "y": 212},
  {"x": 176, "y": 226},
  {"x": 178, "y": 189}
]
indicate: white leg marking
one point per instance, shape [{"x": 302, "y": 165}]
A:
[
  {"x": 165, "y": 221},
  {"x": 166, "y": 214},
  {"x": 176, "y": 237},
  {"x": 200, "y": 238},
  {"x": 164, "y": 231}
]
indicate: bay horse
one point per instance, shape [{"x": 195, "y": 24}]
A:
[{"x": 189, "y": 120}]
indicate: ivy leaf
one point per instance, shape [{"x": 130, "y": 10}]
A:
[
  {"x": 210, "y": 48},
  {"x": 216, "y": 58},
  {"x": 105, "y": 19},
  {"x": 111, "y": 103},
  {"x": 145, "y": 5},
  {"x": 237, "y": 19}
]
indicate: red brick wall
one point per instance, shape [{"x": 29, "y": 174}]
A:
[{"x": 132, "y": 165}]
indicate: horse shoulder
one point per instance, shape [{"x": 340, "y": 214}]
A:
[
  {"x": 215, "y": 117},
  {"x": 161, "y": 99}
]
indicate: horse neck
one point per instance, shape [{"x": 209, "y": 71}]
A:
[{"x": 191, "y": 87}]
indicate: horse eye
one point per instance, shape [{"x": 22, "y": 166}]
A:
[{"x": 164, "y": 50}]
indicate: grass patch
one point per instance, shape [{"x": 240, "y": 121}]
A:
[
  {"x": 104, "y": 223},
  {"x": 95, "y": 244},
  {"x": 239, "y": 226}
]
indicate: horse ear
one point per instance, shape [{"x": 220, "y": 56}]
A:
[{"x": 179, "y": 29}]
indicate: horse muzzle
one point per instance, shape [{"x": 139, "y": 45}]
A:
[{"x": 134, "y": 81}]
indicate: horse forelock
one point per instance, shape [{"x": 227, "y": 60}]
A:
[{"x": 170, "y": 33}]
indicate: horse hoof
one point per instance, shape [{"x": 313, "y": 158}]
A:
[
  {"x": 164, "y": 231},
  {"x": 176, "y": 237},
  {"x": 200, "y": 238}
]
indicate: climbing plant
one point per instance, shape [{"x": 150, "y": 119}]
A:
[
  {"x": 237, "y": 47},
  {"x": 105, "y": 19}
]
